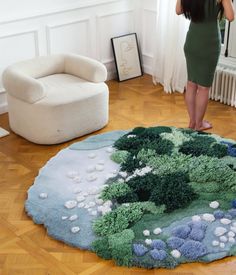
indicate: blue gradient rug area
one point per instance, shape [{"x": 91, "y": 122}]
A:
[{"x": 147, "y": 197}]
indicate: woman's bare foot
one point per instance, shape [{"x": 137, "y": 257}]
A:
[
  {"x": 192, "y": 125},
  {"x": 205, "y": 125}
]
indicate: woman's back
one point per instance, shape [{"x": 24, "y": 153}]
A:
[
  {"x": 203, "y": 45},
  {"x": 209, "y": 26},
  {"x": 212, "y": 9}
]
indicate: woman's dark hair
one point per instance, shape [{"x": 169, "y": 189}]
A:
[{"x": 195, "y": 9}]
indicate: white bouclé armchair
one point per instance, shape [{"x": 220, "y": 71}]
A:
[{"x": 56, "y": 98}]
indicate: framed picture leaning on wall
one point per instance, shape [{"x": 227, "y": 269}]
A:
[{"x": 127, "y": 56}]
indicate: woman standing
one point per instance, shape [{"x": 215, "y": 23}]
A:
[{"x": 202, "y": 49}]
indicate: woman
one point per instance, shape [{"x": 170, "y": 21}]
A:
[{"x": 202, "y": 50}]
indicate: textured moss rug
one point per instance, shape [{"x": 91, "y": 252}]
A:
[{"x": 147, "y": 197}]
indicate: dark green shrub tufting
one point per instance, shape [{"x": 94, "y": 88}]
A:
[
  {"x": 173, "y": 191},
  {"x": 203, "y": 145}
]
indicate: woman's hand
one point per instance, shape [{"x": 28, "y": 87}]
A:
[{"x": 228, "y": 9}]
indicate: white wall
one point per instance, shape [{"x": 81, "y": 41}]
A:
[
  {"x": 146, "y": 30},
  {"x": 30, "y": 28}
]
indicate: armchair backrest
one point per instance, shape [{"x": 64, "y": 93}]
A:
[
  {"x": 20, "y": 79},
  {"x": 41, "y": 66}
]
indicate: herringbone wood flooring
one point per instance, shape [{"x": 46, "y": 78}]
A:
[{"x": 25, "y": 248}]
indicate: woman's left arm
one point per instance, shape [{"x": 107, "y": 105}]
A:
[{"x": 178, "y": 8}]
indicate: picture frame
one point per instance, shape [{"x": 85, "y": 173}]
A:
[{"x": 127, "y": 56}]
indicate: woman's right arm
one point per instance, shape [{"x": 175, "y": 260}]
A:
[
  {"x": 178, "y": 8},
  {"x": 228, "y": 9}
]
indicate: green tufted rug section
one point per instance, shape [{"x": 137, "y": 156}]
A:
[{"x": 147, "y": 197}]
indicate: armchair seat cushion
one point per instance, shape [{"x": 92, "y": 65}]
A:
[{"x": 64, "y": 88}]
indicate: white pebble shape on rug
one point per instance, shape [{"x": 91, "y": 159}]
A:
[
  {"x": 90, "y": 169},
  {"x": 64, "y": 218},
  {"x": 222, "y": 245},
  {"x": 80, "y": 198},
  {"x": 81, "y": 205},
  {"x": 94, "y": 213},
  {"x": 77, "y": 179},
  {"x": 101, "y": 161},
  {"x": 215, "y": 243},
  {"x": 208, "y": 217},
  {"x": 104, "y": 209},
  {"x": 233, "y": 228},
  {"x": 108, "y": 203},
  {"x": 109, "y": 150},
  {"x": 231, "y": 234},
  {"x": 93, "y": 191},
  {"x": 92, "y": 155},
  {"x": 223, "y": 239},
  {"x": 175, "y": 253},
  {"x": 99, "y": 201},
  {"x": 115, "y": 172},
  {"x": 196, "y": 218},
  {"x": 100, "y": 208},
  {"x": 104, "y": 186},
  {"x": 72, "y": 174},
  {"x": 77, "y": 190},
  {"x": 148, "y": 241},
  {"x": 123, "y": 174},
  {"x": 92, "y": 204},
  {"x": 146, "y": 232},
  {"x": 109, "y": 176},
  {"x": 157, "y": 231},
  {"x": 73, "y": 218},
  {"x": 43, "y": 196},
  {"x": 70, "y": 204},
  {"x": 214, "y": 204},
  {"x": 99, "y": 167},
  {"x": 75, "y": 229},
  {"x": 219, "y": 231},
  {"x": 92, "y": 178},
  {"x": 131, "y": 136},
  {"x": 121, "y": 180},
  {"x": 231, "y": 240},
  {"x": 225, "y": 221}
]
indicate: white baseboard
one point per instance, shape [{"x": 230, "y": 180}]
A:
[
  {"x": 3, "y": 108},
  {"x": 111, "y": 75},
  {"x": 3, "y": 102},
  {"x": 147, "y": 69}
]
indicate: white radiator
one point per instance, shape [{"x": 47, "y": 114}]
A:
[{"x": 224, "y": 85}]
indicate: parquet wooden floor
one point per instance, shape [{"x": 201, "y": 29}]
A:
[{"x": 25, "y": 248}]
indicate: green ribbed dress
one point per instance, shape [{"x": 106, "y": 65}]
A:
[{"x": 202, "y": 47}]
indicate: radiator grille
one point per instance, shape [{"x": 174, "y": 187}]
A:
[{"x": 224, "y": 85}]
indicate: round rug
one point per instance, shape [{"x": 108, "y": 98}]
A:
[{"x": 146, "y": 197}]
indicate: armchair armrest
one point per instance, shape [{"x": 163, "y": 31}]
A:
[
  {"x": 22, "y": 86},
  {"x": 85, "y": 68}
]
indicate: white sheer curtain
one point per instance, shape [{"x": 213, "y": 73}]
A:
[{"x": 169, "y": 67}]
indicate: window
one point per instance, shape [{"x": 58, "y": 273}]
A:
[{"x": 224, "y": 28}]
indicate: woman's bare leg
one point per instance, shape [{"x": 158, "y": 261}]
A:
[
  {"x": 201, "y": 107},
  {"x": 190, "y": 100}
]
